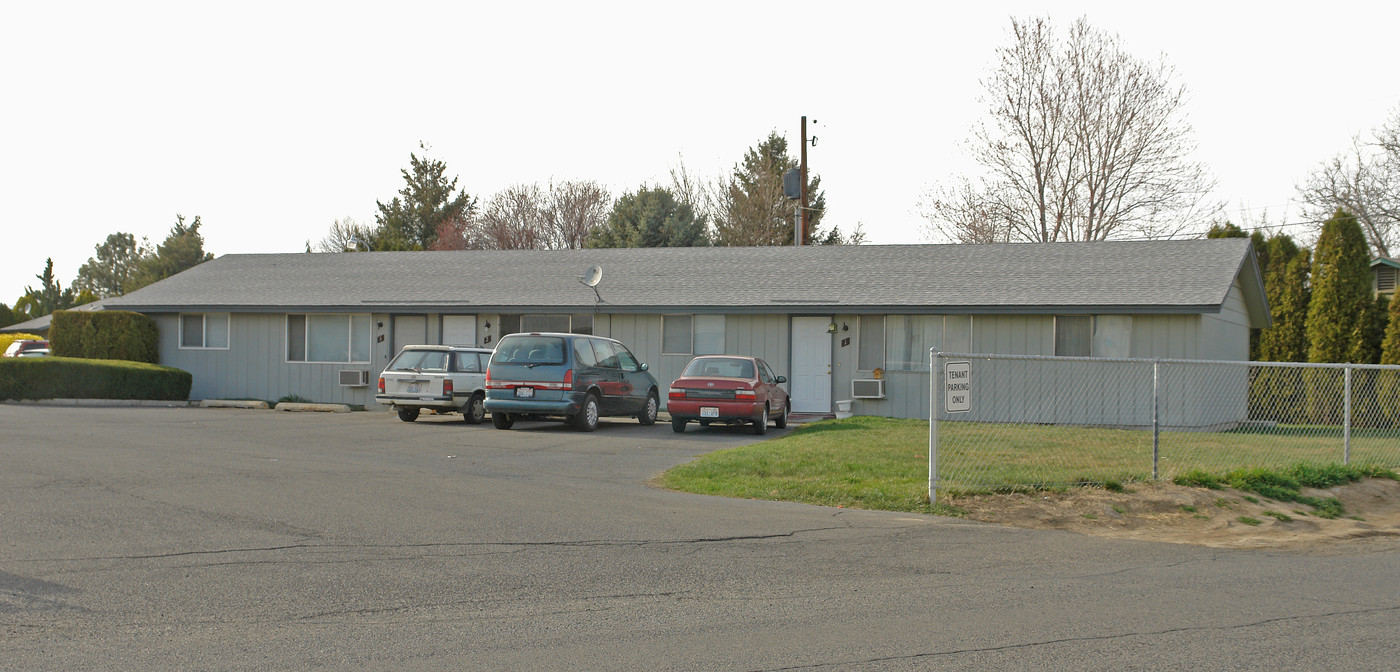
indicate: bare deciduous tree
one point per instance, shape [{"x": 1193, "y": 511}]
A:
[
  {"x": 346, "y": 235},
  {"x": 1365, "y": 182},
  {"x": 572, "y": 210},
  {"x": 525, "y": 217},
  {"x": 1084, "y": 142}
]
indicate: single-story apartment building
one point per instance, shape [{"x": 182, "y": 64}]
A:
[{"x": 323, "y": 326}]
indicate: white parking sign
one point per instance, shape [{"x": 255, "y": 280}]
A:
[{"x": 957, "y": 387}]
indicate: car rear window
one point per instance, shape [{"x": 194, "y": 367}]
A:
[
  {"x": 720, "y": 368},
  {"x": 529, "y": 350},
  {"x": 419, "y": 360}
]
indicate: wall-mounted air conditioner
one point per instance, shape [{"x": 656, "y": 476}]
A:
[
  {"x": 873, "y": 388},
  {"x": 354, "y": 378}
]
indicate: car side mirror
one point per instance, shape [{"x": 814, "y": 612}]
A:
[
  {"x": 782, "y": 379},
  {"x": 644, "y": 366}
]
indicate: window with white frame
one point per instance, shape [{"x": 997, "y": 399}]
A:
[
  {"x": 908, "y": 339},
  {"x": 331, "y": 338},
  {"x": 692, "y": 334},
  {"x": 871, "y": 354},
  {"x": 578, "y": 323},
  {"x": 677, "y": 334},
  {"x": 1073, "y": 335},
  {"x": 532, "y": 324},
  {"x": 207, "y": 331},
  {"x": 709, "y": 334}
]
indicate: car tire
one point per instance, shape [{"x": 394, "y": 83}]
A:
[
  {"x": 781, "y": 421},
  {"x": 502, "y": 420},
  {"x": 648, "y": 415},
  {"x": 475, "y": 411},
  {"x": 407, "y": 414},
  {"x": 677, "y": 425},
  {"x": 761, "y": 427},
  {"x": 587, "y": 418}
]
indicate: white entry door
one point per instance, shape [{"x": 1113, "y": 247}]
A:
[
  {"x": 410, "y": 330},
  {"x": 811, "y": 365},
  {"x": 459, "y": 330}
]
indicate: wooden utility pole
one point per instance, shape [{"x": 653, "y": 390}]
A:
[{"x": 806, "y": 227}]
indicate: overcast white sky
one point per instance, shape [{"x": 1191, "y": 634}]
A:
[{"x": 270, "y": 120}]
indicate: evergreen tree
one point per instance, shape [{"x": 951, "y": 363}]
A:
[
  {"x": 1339, "y": 315},
  {"x": 50, "y": 296},
  {"x": 1286, "y": 286},
  {"x": 428, "y": 199},
  {"x": 1390, "y": 347},
  {"x": 651, "y": 217},
  {"x": 181, "y": 250},
  {"x": 753, "y": 209},
  {"x": 7, "y": 316},
  {"x": 112, "y": 270},
  {"x": 1226, "y": 230}
]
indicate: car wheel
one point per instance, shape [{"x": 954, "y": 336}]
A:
[
  {"x": 502, "y": 420},
  {"x": 781, "y": 421},
  {"x": 587, "y": 418},
  {"x": 677, "y": 425},
  {"x": 408, "y": 414},
  {"x": 648, "y": 414},
  {"x": 761, "y": 427},
  {"x": 475, "y": 412}
]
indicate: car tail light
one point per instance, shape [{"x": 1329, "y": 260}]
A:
[
  {"x": 747, "y": 394},
  {"x": 447, "y": 388},
  {"x": 676, "y": 393},
  {"x": 569, "y": 380},
  {"x": 381, "y": 384}
]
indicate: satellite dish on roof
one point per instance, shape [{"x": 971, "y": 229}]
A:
[{"x": 592, "y": 276}]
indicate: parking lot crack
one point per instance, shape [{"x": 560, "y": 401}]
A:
[{"x": 1071, "y": 640}]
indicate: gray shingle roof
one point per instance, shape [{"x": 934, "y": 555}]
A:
[{"x": 1157, "y": 276}]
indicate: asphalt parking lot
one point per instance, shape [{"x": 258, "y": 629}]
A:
[{"x": 216, "y": 539}]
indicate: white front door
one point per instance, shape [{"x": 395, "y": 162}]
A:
[
  {"x": 410, "y": 330},
  {"x": 459, "y": 330},
  {"x": 811, "y": 365}
]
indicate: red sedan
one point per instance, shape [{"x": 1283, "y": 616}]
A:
[{"x": 728, "y": 389}]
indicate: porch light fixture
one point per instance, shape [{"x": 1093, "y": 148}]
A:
[{"x": 831, "y": 328}]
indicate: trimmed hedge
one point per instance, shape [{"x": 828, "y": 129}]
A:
[
  {"x": 73, "y": 378},
  {"x": 104, "y": 334}
]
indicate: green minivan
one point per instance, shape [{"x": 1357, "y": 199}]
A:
[{"x": 572, "y": 377}]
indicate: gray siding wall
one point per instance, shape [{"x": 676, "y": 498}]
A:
[{"x": 254, "y": 366}]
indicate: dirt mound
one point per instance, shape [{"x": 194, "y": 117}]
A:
[{"x": 1220, "y": 518}]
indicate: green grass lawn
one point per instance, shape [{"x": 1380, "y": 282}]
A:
[{"x": 882, "y": 463}]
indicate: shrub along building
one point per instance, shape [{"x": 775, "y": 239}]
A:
[{"x": 830, "y": 318}]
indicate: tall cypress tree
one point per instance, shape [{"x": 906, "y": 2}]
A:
[
  {"x": 1339, "y": 314},
  {"x": 1286, "y": 286},
  {"x": 1390, "y": 347}
]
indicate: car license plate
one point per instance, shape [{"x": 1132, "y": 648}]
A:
[
  {"x": 524, "y": 392},
  {"x": 709, "y": 412},
  {"x": 415, "y": 387}
]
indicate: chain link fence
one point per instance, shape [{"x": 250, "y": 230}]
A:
[{"x": 1017, "y": 421}]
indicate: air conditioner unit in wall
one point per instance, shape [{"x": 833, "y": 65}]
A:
[
  {"x": 354, "y": 378},
  {"x": 873, "y": 388}
]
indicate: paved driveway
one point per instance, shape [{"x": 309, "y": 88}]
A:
[{"x": 194, "y": 539}]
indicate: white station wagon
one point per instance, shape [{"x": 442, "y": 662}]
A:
[{"x": 439, "y": 378}]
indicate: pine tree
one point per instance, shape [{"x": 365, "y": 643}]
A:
[{"x": 651, "y": 217}]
